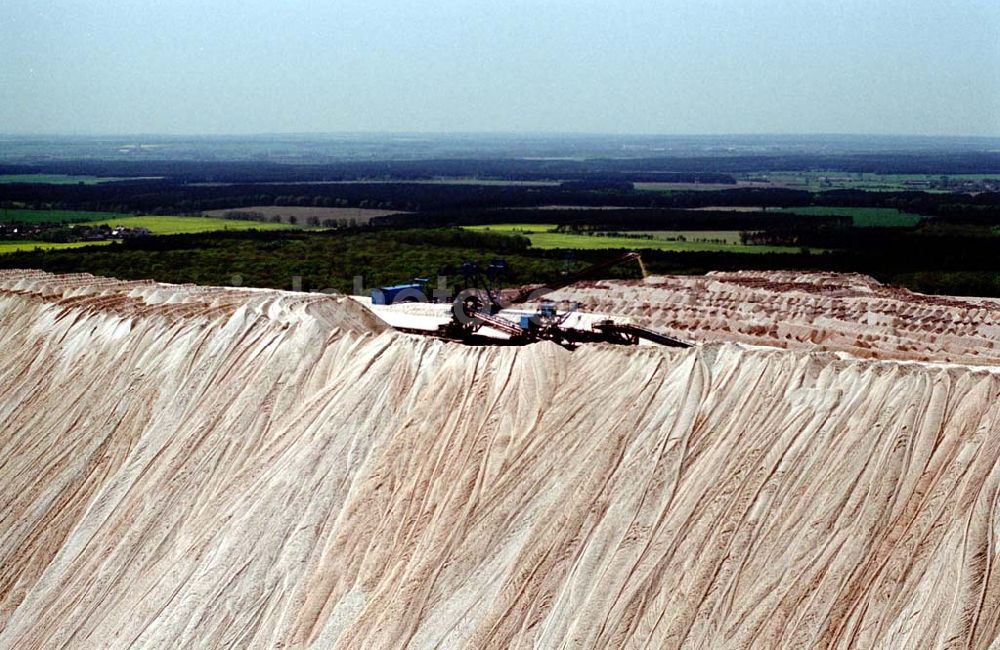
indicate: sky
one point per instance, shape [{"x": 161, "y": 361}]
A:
[{"x": 919, "y": 67}]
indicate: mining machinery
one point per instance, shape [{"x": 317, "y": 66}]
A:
[{"x": 480, "y": 305}]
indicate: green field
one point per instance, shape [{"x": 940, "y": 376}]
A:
[
  {"x": 704, "y": 236},
  {"x": 184, "y": 225},
  {"x": 540, "y": 238},
  {"x": 863, "y": 217},
  {"x": 156, "y": 226},
  {"x": 10, "y": 215},
  {"x": 515, "y": 228},
  {"x": 16, "y": 246}
]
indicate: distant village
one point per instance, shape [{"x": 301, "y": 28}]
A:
[{"x": 54, "y": 232}]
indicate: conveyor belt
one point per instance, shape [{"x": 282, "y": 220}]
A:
[{"x": 653, "y": 336}]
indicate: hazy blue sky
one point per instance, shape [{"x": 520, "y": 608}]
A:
[{"x": 723, "y": 66}]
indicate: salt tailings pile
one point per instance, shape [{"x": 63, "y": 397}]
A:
[
  {"x": 191, "y": 467},
  {"x": 805, "y": 311}
]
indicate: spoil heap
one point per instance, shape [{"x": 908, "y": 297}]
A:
[
  {"x": 195, "y": 467},
  {"x": 805, "y": 311}
]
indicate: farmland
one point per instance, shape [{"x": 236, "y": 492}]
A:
[
  {"x": 316, "y": 216},
  {"x": 184, "y": 225},
  {"x": 18, "y": 246},
  {"x": 704, "y": 236},
  {"x": 543, "y": 236},
  {"x": 863, "y": 217},
  {"x": 157, "y": 225}
]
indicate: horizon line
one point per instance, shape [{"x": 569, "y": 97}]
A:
[{"x": 531, "y": 134}]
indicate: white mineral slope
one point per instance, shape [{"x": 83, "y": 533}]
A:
[
  {"x": 201, "y": 468},
  {"x": 837, "y": 312}
]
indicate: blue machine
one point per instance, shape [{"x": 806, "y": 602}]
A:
[
  {"x": 415, "y": 291},
  {"x": 546, "y": 312}
]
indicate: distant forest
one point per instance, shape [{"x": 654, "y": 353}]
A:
[
  {"x": 953, "y": 247},
  {"x": 447, "y": 203}
]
